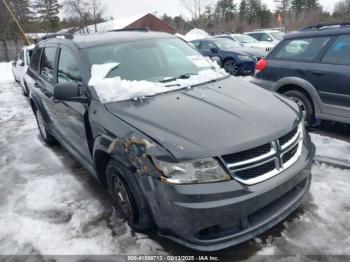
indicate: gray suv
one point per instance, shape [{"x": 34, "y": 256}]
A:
[
  {"x": 312, "y": 67},
  {"x": 208, "y": 166}
]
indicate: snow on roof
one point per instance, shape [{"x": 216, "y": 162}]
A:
[
  {"x": 115, "y": 24},
  {"x": 196, "y": 34}
]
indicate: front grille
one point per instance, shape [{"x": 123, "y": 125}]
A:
[
  {"x": 288, "y": 156},
  {"x": 288, "y": 137},
  {"x": 248, "y": 154},
  {"x": 255, "y": 165},
  {"x": 256, "y": 171}
]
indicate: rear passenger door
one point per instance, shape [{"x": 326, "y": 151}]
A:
[{"x": 332, "y": 76}]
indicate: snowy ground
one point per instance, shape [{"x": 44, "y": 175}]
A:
[{"x": 49, "y": 205}]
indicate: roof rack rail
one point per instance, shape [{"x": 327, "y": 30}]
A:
[
  {"x": 138, "y": 29},
  {"x": 65, "y": 35},
  {"x": 327, "y": 25}
]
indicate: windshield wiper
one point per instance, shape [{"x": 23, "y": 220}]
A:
[{"x": 184, "y": 76}]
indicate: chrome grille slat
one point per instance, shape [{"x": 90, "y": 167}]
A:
[{"x": 284, "y": 153}]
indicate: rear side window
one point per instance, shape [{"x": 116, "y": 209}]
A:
[
  {"x": 301, "y": 49},
  {"x": 34, "y": 62},
  {"x": 68, "y": 69},
  {"x": 339, "y": 53},
  {"x": 47, "y": 63}
]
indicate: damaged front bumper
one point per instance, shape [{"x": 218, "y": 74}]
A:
[{"x": 214, "y": 216}]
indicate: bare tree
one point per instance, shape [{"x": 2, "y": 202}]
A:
[
  {"x": 196, "y": 8},
  {"x": 83, "y": 13}
]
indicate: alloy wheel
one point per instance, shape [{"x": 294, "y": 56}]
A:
[{"x": 230, "y": 67}]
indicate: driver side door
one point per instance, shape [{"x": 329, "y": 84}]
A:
[{"x": 70, "y": 116}]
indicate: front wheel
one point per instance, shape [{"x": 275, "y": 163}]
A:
[
  {"x": 231, "y": 67},
  {"x": 129, "y": 202},
  {"x": 304, "y": 104}
]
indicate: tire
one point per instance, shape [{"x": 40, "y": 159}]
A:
[
  {"x": 131, "y": 204},
  {"x": 45, "y": 134},
  {"x": 305, "y": 105},
  {"x": 231, "y": 67}
]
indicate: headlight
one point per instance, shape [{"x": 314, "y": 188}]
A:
[
  {"x": 192, "y": 172},
  {"x": 246, "y": 58}
]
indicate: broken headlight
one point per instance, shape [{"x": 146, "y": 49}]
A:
[{"x": 192, "y": 172}]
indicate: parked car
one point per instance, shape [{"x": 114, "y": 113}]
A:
[
  {"x": 249, "y": 41},
  {"x": 258, "y": 53},
  {"x": 312, "y": 67},
  {"x": 272, "y": 36},
  {"x": 230, "y": 55},
  {"x": 209, "y": 166},
  {"x": 19, "y": 67}
]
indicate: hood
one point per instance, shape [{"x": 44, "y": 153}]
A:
[
  {"x": 210, "y": 120},
  {"x": 248, "y": 51}
]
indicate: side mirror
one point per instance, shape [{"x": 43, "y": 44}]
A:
[
  {"x": 20, "y": 62},
  {"x": 70, "y": 92},
  {"x": 214, "y": 50},
  {"x": 269, "y": 39}
]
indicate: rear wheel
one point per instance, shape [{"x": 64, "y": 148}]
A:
[
  {"x": 45, "y": 135},
  {"x": 304, "y": 104},
  {"x": 129, "y": 202},
  {"x": 231, "y": 67}
]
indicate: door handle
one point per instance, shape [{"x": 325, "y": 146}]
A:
[
  {"x": 36, "y": 85},
  {"x": 318, "y": 73}
]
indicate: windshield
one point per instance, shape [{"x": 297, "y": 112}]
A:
[
  {"x": 226, "y": 44},
  {"x": 277, "y": 35},
  {"x": 151, "y": 60},
  {"x": 245, "y": 39}
]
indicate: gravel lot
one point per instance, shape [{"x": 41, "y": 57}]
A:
[{"x": 50, "y": 205}]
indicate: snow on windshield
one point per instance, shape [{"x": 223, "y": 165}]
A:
[{"x": 116, "y": 89}]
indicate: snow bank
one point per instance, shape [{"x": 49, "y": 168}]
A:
[
  {"x": 331, "y": 148},
  {"x": 196, "y": 34},
  {"x": 117, "y": 89},
  {"x": 6, "y": 75}
]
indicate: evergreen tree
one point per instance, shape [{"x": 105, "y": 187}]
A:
[
  {"x": 298, "y": 6},
  {"x": 47, "y": 14},
  {"x": 243, "y": 9},
  {"x": 312, "y": 4},
  {"x": 283, "y": 6},
  {"x": 226, "y": 9}
]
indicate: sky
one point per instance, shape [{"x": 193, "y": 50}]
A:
[{"x": 121, "y": 9}]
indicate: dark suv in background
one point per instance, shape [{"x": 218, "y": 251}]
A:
[
  {"x": 312, "y": 67},
  {"x": 210, "y": 166}
]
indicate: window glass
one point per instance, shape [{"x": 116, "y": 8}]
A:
[
  {"x": 47, "y": 63},
  {"x": 245, "y": 39},
  {"x": 265, "y": 37},
  {"x": 196, "y": 44},
  {"x": 152, "y": 60},
  {"x": 34, "y": 62},
  {"x": 257, "y": 36},
  {"x": 68, "y": 69},
  {"x": 207, "y": 46},
  {"x": 339, "y": 53},
  {"x": 277, "y": 35},
  {"x": 226, "y": 44},
  {"x": 302, "y": 49}
]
